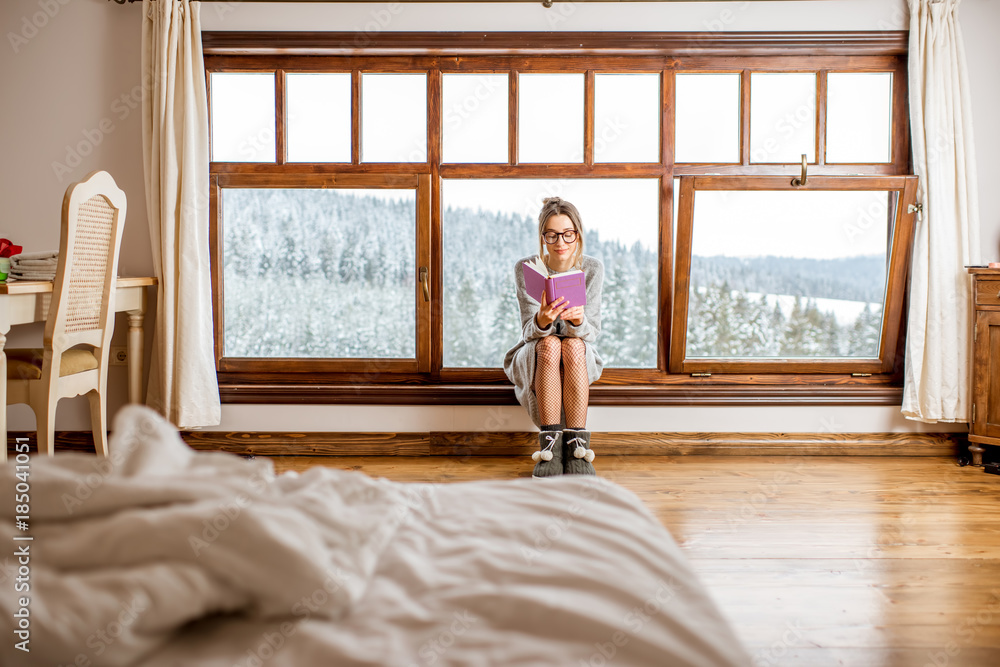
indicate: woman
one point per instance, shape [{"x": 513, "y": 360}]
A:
[{"x": 554, "y": 363}]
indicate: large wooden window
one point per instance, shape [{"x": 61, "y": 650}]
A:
[
  {"x": 778, "y": 276},
  {"x": 370, "y": 201}
]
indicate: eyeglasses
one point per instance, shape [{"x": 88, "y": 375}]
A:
[{"x": 569, "y": 236}]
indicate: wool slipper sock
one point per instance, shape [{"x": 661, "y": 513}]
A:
[
  {"x": 549, "y": 457},
  {"x": 577, "y": 453}
]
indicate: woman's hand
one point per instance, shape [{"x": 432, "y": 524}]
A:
[
  {"x": 549, "y": 312},
  {"x": 573, "y": 315}
]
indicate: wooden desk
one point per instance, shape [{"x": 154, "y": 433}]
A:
[{"x": 27, "y": 301}]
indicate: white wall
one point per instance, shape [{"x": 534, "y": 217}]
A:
[
  {"x": 71, "y": 73},
  {"x": 563, "y": 15},
  {"x": 980, "y": 20},
  {"x": 65, "y": 67}
]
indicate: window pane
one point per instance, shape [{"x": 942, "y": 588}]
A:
[
  {"x": 243, "y": 117},
  {"x": 550, "y": 118},
  {"x": 626, "y": 118},
  {"x": 782, "y": 117},
  {"x": 788, "y": 274},
  {"x": 488, "y": 225},
  {"x": 858, "y": 117},
  {"x": 319, "y": 273},
  {"x": 319, "y": 117},
  {"x": 676, "y": 210},
  {"x": 708, "y": 118},
  {"x": 475, "y": 117},
  {"x": 394, "y": 117}
]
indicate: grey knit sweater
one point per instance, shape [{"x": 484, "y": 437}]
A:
[{"x": 519, "y": 362}]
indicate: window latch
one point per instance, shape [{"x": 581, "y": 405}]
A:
[
  {"x": 913, "y": 208},
  {"x": 423, "y": 283}
]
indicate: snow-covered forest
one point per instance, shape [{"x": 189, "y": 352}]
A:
[
  {"x": 784, "y": 307},
  {"x": 328, "y": 273}
]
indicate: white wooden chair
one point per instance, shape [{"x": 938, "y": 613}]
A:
[{"x": 80, "y": 321}]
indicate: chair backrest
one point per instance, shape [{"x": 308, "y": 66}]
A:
[{"x": 93, "y": 217}]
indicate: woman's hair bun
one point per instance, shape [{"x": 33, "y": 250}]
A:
[{"x": 551, "y": 200}]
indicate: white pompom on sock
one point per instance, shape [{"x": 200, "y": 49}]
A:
[
  {"x": 536, "y": 456},
  {"x": 580, "y": 452},
  {"x": 546, "y": 455},
  {"x": 590, "y": 455}
]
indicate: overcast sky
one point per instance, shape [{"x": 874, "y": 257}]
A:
[{"x": 820, "y": 225}]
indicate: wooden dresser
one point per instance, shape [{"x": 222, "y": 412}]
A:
[{"x": 984, "y": 427}]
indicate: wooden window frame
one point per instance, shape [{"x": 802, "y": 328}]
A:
[
  {"x": 357, "y": 369},
  {"x": 900, "y": 240},
  {"x": 376, "y": 381}
]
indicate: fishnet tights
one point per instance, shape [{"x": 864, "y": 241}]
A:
[{"x": 561, "y": 380}]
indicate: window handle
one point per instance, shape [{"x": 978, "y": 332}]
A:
[
  {"x": 799, "y": 182},
  {"x": 424, "y": 284}
]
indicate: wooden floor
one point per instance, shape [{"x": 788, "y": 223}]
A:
[{"x": 816, "y": 560}]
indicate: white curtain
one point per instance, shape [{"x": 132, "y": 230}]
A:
[
  {"x": 938, "y": 345},
  {"x": 183, "y": 384}
]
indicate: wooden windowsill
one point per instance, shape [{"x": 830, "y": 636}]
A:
[{"x": 633, "y": 395}]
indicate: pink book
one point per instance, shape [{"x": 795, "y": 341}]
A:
[{"x": 572, "y": 285}]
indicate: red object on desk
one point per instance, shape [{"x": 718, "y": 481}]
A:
[{"x": 8, "y": 249}]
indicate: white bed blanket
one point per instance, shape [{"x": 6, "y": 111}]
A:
[
  {"x": 164, "y": 556},
  {"x": 127, "y": 550}
]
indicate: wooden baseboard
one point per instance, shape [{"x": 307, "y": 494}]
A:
[
  {"x": 523, "y": 443},
  {"x": 714, "y": 444}
]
